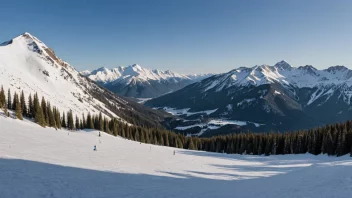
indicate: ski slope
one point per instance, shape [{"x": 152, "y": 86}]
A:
[{"x": 43, "y": 162}]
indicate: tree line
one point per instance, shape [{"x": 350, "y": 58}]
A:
[{"x": 335, "y": 139}]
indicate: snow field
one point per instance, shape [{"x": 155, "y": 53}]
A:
[{"x": 43, "y": 162}]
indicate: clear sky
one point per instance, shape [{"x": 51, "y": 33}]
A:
[{"x": 187, "y": 36}]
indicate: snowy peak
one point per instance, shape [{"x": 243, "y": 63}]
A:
[
  {"x": 282, "y": 73},
  {"x": 337, "y": 68},
  {"x": 136, "y": 67},
  {"x": 35, "y": 45},
  {"x": 309, "y": 69},
  {"x": 135, "y": 71},
  {"x": 102, "y": 74},
  {"x": 85, "y": 72},
  {"x": 283, "y": 65},
  {"x": 139, "y": 82}
]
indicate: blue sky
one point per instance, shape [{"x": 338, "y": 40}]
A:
[{"x": 187, "y": 36}]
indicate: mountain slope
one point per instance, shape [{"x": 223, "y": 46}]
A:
[
  {"x": 44, "y": 162},
  {"x": 279, "y": 97},
  {"x": 27, "y": 64},
  {"x": 136, "y": 81}
]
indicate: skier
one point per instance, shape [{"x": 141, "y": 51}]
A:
[
  {"x": 99, "y": 134},
  {"x": 95, "y": 148},
  {"x": 174, "y": 152}
]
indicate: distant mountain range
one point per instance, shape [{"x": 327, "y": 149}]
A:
[
  {"x": 262, "y": 98},
  {"x": 138, "y": 82}
]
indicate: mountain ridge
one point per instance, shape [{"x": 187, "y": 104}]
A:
[
  {"x": 139, "y": 82},
  {"x": 279, "y": 97}
]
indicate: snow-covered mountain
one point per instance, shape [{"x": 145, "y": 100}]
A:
[
  {"x": 284, "y": 74},
  {"x": 136, "y": 81},
  {"x": 279, "y": 97},
  {"x": 27, "y": 64}
]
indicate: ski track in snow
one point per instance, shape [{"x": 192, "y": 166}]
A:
[{"x": 43, "y": 162}]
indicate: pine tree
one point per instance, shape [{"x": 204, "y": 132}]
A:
[
  {"x": 154, "y": 140},
  {"x": 180, "y": 144},
  {"x": 70, "y": 124},
  {"x": 161, "y": 141},
  {"x": 45, "y": 111},
  {"x": 101, "y": 122},
  {"x": 90, "y": 124},
  {"x": 67, "y": 121},
  {"x": 30, "y": 107},
  {"x": 77, "y": 123},
  {"x": 18, "y": 108},
  {"x": 324, "y": 142},
  {"x": 123, "y": 133},
  {"x": 35, "y": 104},
  {"x": 39, "y": 116},
  {"x": 23, "y": 105},
  {"x": 142, "y": 136},
  {"x": 191, "y": 144},
  {"x": 167, "y": 142},
  {"x": 274, "y": 146},
  {"x": 330, "y": 143},
  {"x": 106, "y": 126},
  {"x": 2, "y": 98},
  {"x": 57, "y": 118},
  {"x": 340, "y": 148},
  {"x": 260, "y": 146},
  {"x": 5, "y": 111},
  {"x": 81, "y": 125},
  {"x": 51, "y": 116},
  {"x": 63, "y": 121},
  {"x": 147, "y": 139},
  {"x": 267, "y": 146},
  {"x": 9, "y": 102},
  {"x": 287, "y": 145},
  {"x": 84, "y": 124},
  {"x": 14, "y": 102}
]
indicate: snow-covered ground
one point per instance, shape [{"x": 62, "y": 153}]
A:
[{"x": 43, "y": 162}]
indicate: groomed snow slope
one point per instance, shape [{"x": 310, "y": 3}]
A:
[{"x": 38, "y": 162}]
